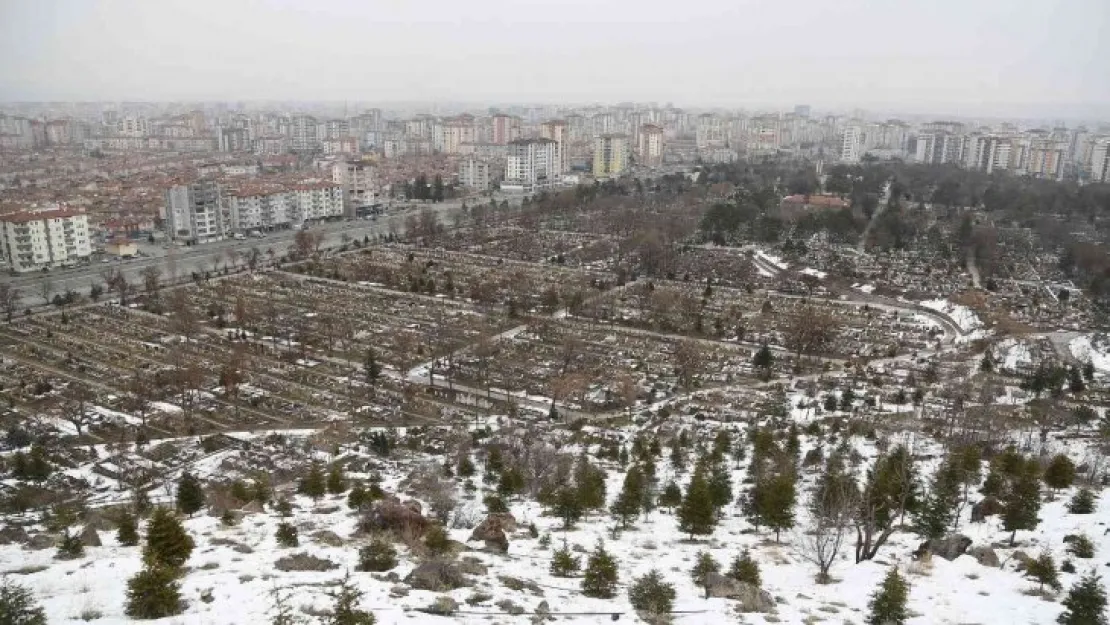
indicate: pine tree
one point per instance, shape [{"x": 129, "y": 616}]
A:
[
  {"x": 287, "y": 535},
  {"x": 564, "y": 563},
  {"x": 357, "y": 496},
  {"x": 651, "y": 595},
  {"x": 313, "y": 484},
  {"x": 167, "y": 542},
  {"x": 70, "y": 548},
  {"x": 1080, "y": 546},
  {"x": 629, "y": 501},
  {"x": 378, "y": 556},
  {"x": 720, "y": 487},
  {"x": 1022, "y": 502},
  {"x": 17, "y": 605},
  {"x": 935, "y": 514},
  {"x": 282, "y": 610},
  {"x": 600, "y": 579},
  {"x": 1060, "y": 472},
  {"x": 888, "y": 604},
  {"x": 283, "y": 508},
  {"x": 345, "y": 611},
  {"x": 154, "y": 593},
  {"x": 127, "y": 529},
  {"x": 695, "y": 515},
  {"x": 745, "y": 569},
  {"x": 1043, "y": 569},
  {"x": 466, "y": 467},
  {"x": 1085, "y": 603},
  {"x": 590, "y": 482},
  {"x": 495, "y": 504},
  {"x": 703, "y": 566},
  {"x": 510, "y": 483},
  {"x": 337, "y": 482},
  {"x": 764, "y": 361},
  {"x": 771, "y": 502},
  {"x": 190, "y": 494},
  {"x": 671, "y": 496},
  {"x": 567, "y": 507},
  {"x": 1083, "y": 502}
]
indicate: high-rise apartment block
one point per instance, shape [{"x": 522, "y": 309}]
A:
[
  {"x": 850, "y": 139},
  {"x": 195, "y": 212},
  {"x": 44, "y": 239},
  {"x": 558, "y": 131},
  {"x": 650, "y": 145},
  {"x": 474, "y": 174},
  {"x": 504, "y": 129},
  {"x": 531, "y": 166},
  {"x": 359, "y": 182},
  {"x": 611, "y": 155}
]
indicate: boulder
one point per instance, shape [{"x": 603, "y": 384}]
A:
[
  {"x": 89, "y": 537},
  {"x": 950, "y": 547},
  {"x": 989, "y": 506},
  {"x": 304, "y": 562},
  {"x": 985, "y": 556},
  {"x": 36, "y": 542},
  {"x": 493, "y": 531},
  {"x": 12, "y": 534},
  {"x": 542, "y": 613},
  {"x": 328, "y": 537},
  {"x": 750, "y": 597},
  {"x": 99, "y": 521},
  {"x": 251, "y": 507},
  {"x": 392, "y": 515},
  {"x": 437, "y": 576}
]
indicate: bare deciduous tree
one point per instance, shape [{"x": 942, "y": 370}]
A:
[
  {"x": 9, "y": 300},
  {"x": 689, "y": 361},
  {"x": 831, "y": 511}
]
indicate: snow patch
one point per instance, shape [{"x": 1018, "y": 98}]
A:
[{"x": 1094, "y": 348}]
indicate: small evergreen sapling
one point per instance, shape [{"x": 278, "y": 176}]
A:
[
  {"x": 651, "y": 595},
  {"x": 17, "y": 605},
  {"x": 154, "y": 593},
  {"x": 1081, "y": 547},
  {"x": 127, "y": 529},
  {"x": 745, "y": 569},
  {"x": 601, "y": 576},
  {"x": 1043, "y": 569},
  {"x": 1085, "y": 603},
  {"x": 286, "y": 535},
  {"x": 190, "y": 494},
  {"x": 888, "y": 604},
  {"x": 564, "y": 563},
  {"x": 167, "y": 542},
  {"x": 703, "y": 567},
  {"x": 345, "y": 610},
  {"x": 337, "y": 482},
  {"x": 1083, "y": 502},
  {"x": 378, "y": 556}
]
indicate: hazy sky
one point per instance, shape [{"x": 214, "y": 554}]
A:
[{"x": 958, "y": 56}]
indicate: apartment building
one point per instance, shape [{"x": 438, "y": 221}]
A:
[
  {"x": 649, "y": 149},
  {"x": 710, "y": 132},
  {"x": 504, "y": 129},
  {"x": 456, "y": 132},
  {"x": 1100, "y": 160},
  {"x": 45, "y": 239},
  {"x": 196, "y": 213},
  {"x": 531, "y": 166},
  {"x": 611, "y": 155},
  {"x": 255, "y": 208},
  {"x": 850, "y": 144},
  {"x": 474, "y": 173},
  {"x": 303, "y": 133},
  {"x": 315, "y": 201},
  {"x": 359, "y": 182},
  {"x": 558, "y": 131}
]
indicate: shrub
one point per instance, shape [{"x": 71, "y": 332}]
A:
[
  {"x": 70, "y": 548},
  {"x": 1083, "y": 502},
  {"x": 378, "y": 556},
  {"x": 154, "y": 593},
  {"x": 228, "y": 518},
  {"x": 564, "y": 563},
  {"x": 1043, "y": 569},
  {"x": 651, "y": 594},
  {"x": 17, "y": 605},
  {"x": 1081, "y": 547},
  {"x": 437, "y": 541},
  {"x": 495, "y": 504},
  {"x": 745, "y": 569},
  {"x": 286, "y": 535},
  {"x": 127, "y": 529},
  {"x": 703, "y": 567},
  {"x": 190, "y": 494},
  {"x": 1085, "y": 603}
]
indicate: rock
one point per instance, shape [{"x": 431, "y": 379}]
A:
[
  {"x": 985, "y": 556},
  {"x": 436, "y": 575},
  {"x": 328, "y": 537},
  {"x": 251, "y": 507},
  {"x": 950, "y": 547},
  {"x": 392, "y": 515},
  {"x": 542, "y": 613},
  {"x": 12, "y": 534},
  {"x": 472, "y": 566},
  {"x": 398, "y": 591},
  {"x": 492, "y": 531},
  {"x": 99, "y": 521},
  {"x": 39, "y": 541},
  {"x": 1021, "y": 560},
  {"x": 443, "y": 606},
  {"x": 518, "y": 584},
  {"x": 304, "y": 562},
  {"x": 326, "y": 510},
  {"x": 510, "y": 607},
  {"x": 989, "y": 506},
  {"x": 750, "y": 597},
  {"x": 89, "y": 537}
]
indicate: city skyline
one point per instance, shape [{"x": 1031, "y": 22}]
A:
[{"x": 858, "y": 54}]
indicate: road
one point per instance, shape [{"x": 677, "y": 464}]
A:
[{"x": 182, "y": 261}]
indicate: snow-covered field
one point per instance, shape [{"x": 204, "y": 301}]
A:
[
  {"x": 1093, "y": 348},
  {"x": 235, "y": 564}
]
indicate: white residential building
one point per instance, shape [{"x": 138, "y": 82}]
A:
[
  {"x": 44, "y": 239},
  {"x": 303, "y": 133},
  {"x": 850, "y": 144},
  {"x": 558, "y": 131},
  {"x": 1100, "y": 160},
  {"x": 316, "y": 201},
  {"x": 532, "y": 165},
  {"x": 650, "y": 145},
  {"x": 474, "y": 174}
]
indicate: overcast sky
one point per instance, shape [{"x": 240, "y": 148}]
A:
[{"x": 960, "y": 56}]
